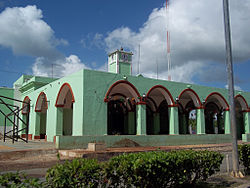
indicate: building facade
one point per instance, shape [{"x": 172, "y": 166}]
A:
[{"x": 115, "y": 107}]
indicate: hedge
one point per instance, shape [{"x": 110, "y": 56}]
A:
[
  {"x": 162, "y": 169},
  {"x": 244, "y": 156},
  {"x": 19, "y": 180},
  {"x": 144, "y": 169},
  {"x": 78, "y": 173}
]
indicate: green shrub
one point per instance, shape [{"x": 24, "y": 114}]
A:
[
  {"x": 244, "y": 156},
  {"x": 161, "y": 169},
  {"x": 19, "y": 180},
  {"x": 145, "y": 169},
  {"x": 78, "y": 173}
]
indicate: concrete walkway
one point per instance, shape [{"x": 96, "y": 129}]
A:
[{"x": 21, "y": 149}]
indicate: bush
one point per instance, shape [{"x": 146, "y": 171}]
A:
[
  {"x": 78, "y": 173},
  {"x": 145, "y": 169},
  {"x": 161, "y": 169},
  {"x": 19, "y": 180},
  {"x": 244, "y": 156}
]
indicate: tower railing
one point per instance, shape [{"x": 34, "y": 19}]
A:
[{"x": 14, "y": 116}]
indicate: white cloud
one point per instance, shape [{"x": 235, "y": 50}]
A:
[
  {"x": 197, "y": 39},
  {"x": 72, "y": 64},
  {"x": 238, "y": 88},
  {"x": 23, "y": 30},
  {"x": 59, "y": 68}
]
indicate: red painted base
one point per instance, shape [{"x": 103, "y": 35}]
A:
[
  {"x": 36, "y": 137},
  {"x": 29, "y": 136}
]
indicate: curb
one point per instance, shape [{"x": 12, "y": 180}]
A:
[{"x": 14, "y": 155}]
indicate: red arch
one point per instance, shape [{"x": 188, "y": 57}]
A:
[
  {"x": 117, "y": 83},
  {"x": 165, "y": 89},
  {"x": 196, "y": 95},
  {"x": 216, "y": 93},
  {"x": 42, "y": 93},
  {"x": 26, "y": 100},
  {"x": 59, "y": 93},
  {"x": 244, "y": 100}
]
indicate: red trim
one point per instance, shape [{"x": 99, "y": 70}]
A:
[
  {"x": 59, "y": 93},
  {"x": 173, "y": 105},
  {"x": 216, "y": 93},
  {"x": 248, "y": 110},
  {"x": 141, "y": 103},
  {"x": 200, "y": 107},
  {"x": 25, "y": 101},
  {"x": 165, "y": 89},
  {"x": 42, "y": 93},
  {"x": 117, "y": 83},
  {"x": 45, "y": 139},
  {"x": 227, "y": 109},
  {"x": 36, "y": 137},
  {"x": 188, "y": 89},
  {"x": 240, "y": 96},
  {"x": 54, "y": 139}
]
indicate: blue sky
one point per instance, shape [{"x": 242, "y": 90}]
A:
[{"x": 79, "y": 34}]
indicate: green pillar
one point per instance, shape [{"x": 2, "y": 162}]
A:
[
  {"x": 200, "y": 121},
  {"x": 77, "y": 121},
  {"x": 24, "y": 118},
  {"x": 156, "y": 123},
  {"x": 227, "y": 122},
  {"x": 59, "y": 121},
  {"x": 246, "y": 116},
  {"x": 173, "y": 120},
  {"x": 246, "y": 136},
  {"x": 141, "y": 118},
  {"x": 37, "y": 123}
]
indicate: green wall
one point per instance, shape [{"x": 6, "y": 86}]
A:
[
  {"x": 51, "y": 90},
  {"x": 7, "y": 92},
  {"x": 81, "y": 142},
  {"x": 89, "y": 109}
]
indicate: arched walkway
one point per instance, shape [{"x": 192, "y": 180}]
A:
[
  {"x": 26, "y": 105},
  {"x": 158, "y": 100},
  {"x": 241, "y": 107},
  {"x": 215, "y": 107},
  {"x": 64, "y": 104},
  {"x": 41, "y": 115},
  {"x": 25, "y": 114},
  {"x": 188, "y": 101},
  {"x": 122, "y": 97}
]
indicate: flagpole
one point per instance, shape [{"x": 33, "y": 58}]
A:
[{"x": 230, "y": 78}]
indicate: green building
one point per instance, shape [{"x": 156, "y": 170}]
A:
[{"x": 114, "y": 107}]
